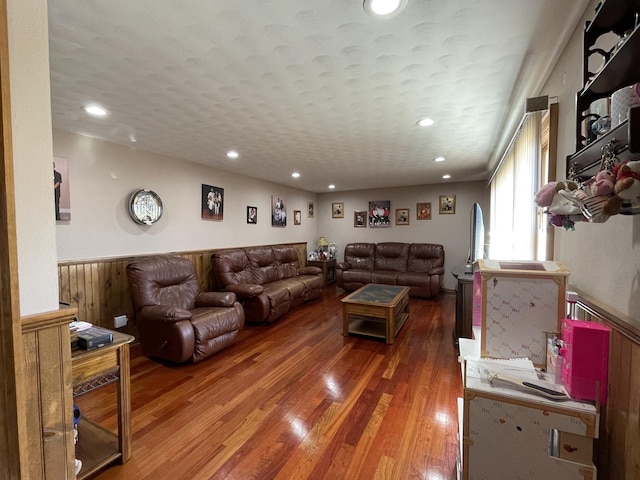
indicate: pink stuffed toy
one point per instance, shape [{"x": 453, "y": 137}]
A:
[{"x": 604, "y": 182}]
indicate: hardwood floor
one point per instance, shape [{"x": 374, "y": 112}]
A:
[{"x": 297, "y": 400}]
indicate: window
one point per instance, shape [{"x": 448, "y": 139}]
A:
[{"x": 518, "y": 230}]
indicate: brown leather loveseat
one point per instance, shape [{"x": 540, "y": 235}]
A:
[
  {"x": 419, "y": 266},
  {"x": 267, "y": 280},
  {"x": 176, "y": 321}
]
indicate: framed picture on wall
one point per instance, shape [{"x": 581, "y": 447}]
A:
[
  {"x": 337, "y": 210},
  {"x": 297, "y": 217},
  {"x": 379, "y": 212},
  {"x": 423, "y": 211},
  {"x": 278, "y": 211},
  {"x": 252, "y": 214},
  {"x": 360, "y": 219},
  {"x": 61, "y": 189},
  {"x": 212, "y": 202},
  {"x": 447, "y": 204},
  {"x": 309, "y": 209},
  {"x": 402, "y": 216}
]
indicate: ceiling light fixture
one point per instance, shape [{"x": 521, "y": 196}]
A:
[
  {"x": 438, "y": 159},
  {"x": 232, "y": 154},
  {"x": 446, "y": 176},
  {"x": 95, "y": 110},
  {"x": 332, "y": 186},
  {"x": 295, "y": 175},
  {"x": 384, "y": 8},
  {"x": 425, "y": 122}
]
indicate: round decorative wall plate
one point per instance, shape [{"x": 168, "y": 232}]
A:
[{"x": 145, "y": 207}]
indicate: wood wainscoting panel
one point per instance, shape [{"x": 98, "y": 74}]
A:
[
  {"x": 619, "y": 444},
  {"x": 49, "y": 399},
  {"x": 99, "y": 288}
]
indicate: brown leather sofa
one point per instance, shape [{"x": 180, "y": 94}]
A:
[
  {"x": 419, "y": 266},
  {"x": 176, "y": 321},
  {"x": 267, "y": 280}
]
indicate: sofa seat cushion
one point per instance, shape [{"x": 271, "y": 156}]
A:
[
  {"x": 295, "y": 287},
  {"x": 357, "y": 276},
  {"x": 385, "y": 277},
  {"x": 279, "y": 300}
]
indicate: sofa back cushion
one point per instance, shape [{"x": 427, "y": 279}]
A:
[
  {"x": 231, "y": 267},
  {"x": 391, "y": 256},
  {"x": 425, "y": 256},
  {"x": 263, "y": 264},
  {"x": 287, "y": 262},
  {"x": 163, "y": 280},
  {"x": 360, "y": 255}
]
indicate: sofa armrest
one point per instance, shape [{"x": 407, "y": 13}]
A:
[
  {"x": 436, "y": 271},
  {"x": 165, "y": 313},
  {"x": 245, "y": 290},
  {"x": 215, "y": 299},
  {"x": 343, "y": 265},
  {"x": 310, "y": 271}
]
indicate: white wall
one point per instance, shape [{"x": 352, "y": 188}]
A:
[
  {"x": 32, "y": 158},
  {"x": 603, "y": 258},
  {"x": 452, "y": 231},
  {"x": 102, "y": 177}
]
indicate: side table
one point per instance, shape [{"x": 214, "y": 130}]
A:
[
  {"x": 91, "y": 369},
  {"x": 464, "y": 304},
  {"x": 328, "y": 269}
]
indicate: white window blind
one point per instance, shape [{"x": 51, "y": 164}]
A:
[{"x": 513, "y": 211}]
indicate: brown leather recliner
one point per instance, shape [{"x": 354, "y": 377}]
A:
[{"x": 177, "y": 322}]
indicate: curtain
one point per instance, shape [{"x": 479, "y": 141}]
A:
[{"x": 513, "y": 185}]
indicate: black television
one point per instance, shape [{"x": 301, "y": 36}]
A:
[{"x": 476, "y": 237}]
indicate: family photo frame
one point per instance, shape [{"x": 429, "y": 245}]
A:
[{"x": 447, "y": 204}]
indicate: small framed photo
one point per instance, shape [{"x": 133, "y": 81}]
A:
[
  {"x": 447, "y": 204},
  {"x": 423, "y": 211},
  {"x": 212, "y": 202},
  {"x": 252, "y": 214},
  {"x": 402, "y": 216},
  {"x": 360, "y": 219},
  {"x": 297, "y": 217},
  {"x": 337, "y": 210},
  {"x": 309, "y": 209}
]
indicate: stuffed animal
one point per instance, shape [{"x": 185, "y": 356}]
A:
[
  {"x": 544, "y": 196},
  {"x": 627, "y": 184},
  {"x": 603, "y": 183}
]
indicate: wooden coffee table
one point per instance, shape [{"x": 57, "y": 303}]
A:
[{"x": 376, "y": 311}]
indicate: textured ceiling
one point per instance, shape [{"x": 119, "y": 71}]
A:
[{"x": 317, "y": 87}]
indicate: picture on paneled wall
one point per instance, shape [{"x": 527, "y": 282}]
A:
[
  {"x": 309, "y": 209},
  {"x": 297, "y": 217},
  {"x": 252, "y": 214},
  {"x": 447, "y": 204},
  {"x": 379, "y": 212},
  {"x": 212, "y": 202},
  {"x": 423, "y": 211},
  {"x": 402, "y": 216},
  {"x": 278, "y": 211},
  {"x": 360, "y": 219},
  {"x": 61, "y": 194}
]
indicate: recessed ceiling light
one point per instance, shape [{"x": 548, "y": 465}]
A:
[
  {"x": 384, "y": 8},
  {"x": 438, "y": 159},
  {"x": 232, "y": 154},
  {"x": 132, "y": 138},
  {"x": 446, "y": 176},
  {"x": 425, "y": 122},
  {"x": 95, "y": 110},
  {"x": 295, "y": 175},
  {"x": 332, "y": 186}
]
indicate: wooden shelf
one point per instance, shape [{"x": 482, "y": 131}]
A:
[{"x": 97, "y": 447}]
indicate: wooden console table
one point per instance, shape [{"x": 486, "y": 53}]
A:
[{"x": 97, "y": 447}]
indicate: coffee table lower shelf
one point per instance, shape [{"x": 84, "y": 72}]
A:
[{"x": 373, "y": 326}]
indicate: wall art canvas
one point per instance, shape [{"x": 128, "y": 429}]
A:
[
  {"x": 360, "y": 219},
  {"x": 252, "y": 214},
  {"x": 212, "y": 202},
  {"x": 423, "y": 211},
  {"x": 278, "y": 211},
  {"x": 379, "y": 212},
  {"x": 61, "y": 196}
]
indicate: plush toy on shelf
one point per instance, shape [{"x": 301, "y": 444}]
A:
[{"x": 627, "y": 184}]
